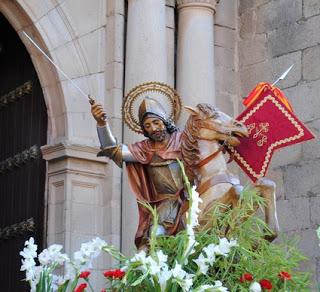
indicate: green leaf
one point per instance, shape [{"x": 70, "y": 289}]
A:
[
  {"x": 74, "y": 283},
  {"x": 140, "y": 279},
  {"x": 64, "y": 287}
]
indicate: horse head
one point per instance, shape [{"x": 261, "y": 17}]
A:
[
  {"x": 205, "y": 166},
  {"x": 212, "y": 124}
]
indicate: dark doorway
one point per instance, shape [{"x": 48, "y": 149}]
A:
[{"x": 23, "y": 129}]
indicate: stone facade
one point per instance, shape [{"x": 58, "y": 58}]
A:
[
  {"x": 272, "y": 36},
  {"x": 249, "y": 41}
]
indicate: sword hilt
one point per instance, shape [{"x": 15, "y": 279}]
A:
[{"x": 91, "y": 100}]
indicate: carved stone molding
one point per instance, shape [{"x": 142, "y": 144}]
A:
[
  {"x": 16, "y": 94},
  {"x": 17, "y": 229},
  {"x": 19, "y": 159},
  {"x": 211, "y": 4},
  {"x": 70, "y": 158}
]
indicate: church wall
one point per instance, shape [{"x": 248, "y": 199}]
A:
[
  {"x": 80, "y": 204},
  {"x": 254, "y": 41},
  {"x": 272, "y": 36}
]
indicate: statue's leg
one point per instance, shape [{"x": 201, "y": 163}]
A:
[{"x": 267, "y": 189}]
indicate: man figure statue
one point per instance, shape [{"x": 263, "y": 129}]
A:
[{"x": 154, "y": 174}]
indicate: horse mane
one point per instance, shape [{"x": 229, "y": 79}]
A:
[{"x": 189, "y": 146}]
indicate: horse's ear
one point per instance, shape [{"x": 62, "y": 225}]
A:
[{"x": 191, "y": 110}]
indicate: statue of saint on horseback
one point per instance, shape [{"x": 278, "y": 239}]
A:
[{"x": 153, "y": 171}]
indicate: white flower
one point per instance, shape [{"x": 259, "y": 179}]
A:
[
  {"x": 192, "y": 221},
  {"x": 202, "y": 263},
  {"x": 224, "y": 246},
  {"x": 30, "y": 250},
  {"x": 218, "y": 287},
  {"x": 98, "y": 243},
  {"x": 27, "y": 264},
  {"x": 164, "y": 275},
  {"x": 139, "y": 257},
  {"x": 153, "y": 266},
  {"x": 255, "y": 287},
  {"x": 210, "y": 251},
  {"x": 186, "y": 284},
  {"x": 52, "y": 255},
  {"x": 70, "y": 272},
  {"x": 162, "y": 258},
  {"x": 182, "y": 277},
  {"x": 88, "y": 251},
  {"x": 178, "y": 273},
  {"x": 210, "y": 288},
  {"x": 44, "y": 257},
  {"x": 56, "y": 282}
]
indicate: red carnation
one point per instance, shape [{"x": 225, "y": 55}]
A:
[
  {"x": 81, "y": 287},
  {"x": 246, "y": 277},
  {"x": 103, "y": 290},
  {"x": 284, "y": 276},
  {"x": 84, "y": 274},
  {"x": 115, "y": 274},
  {"x": 265, "y": 284}
]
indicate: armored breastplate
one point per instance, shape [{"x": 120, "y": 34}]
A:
[{"x": 165, "y": 174}]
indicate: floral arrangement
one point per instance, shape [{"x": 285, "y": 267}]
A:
[{"x": 231, "y": 255}]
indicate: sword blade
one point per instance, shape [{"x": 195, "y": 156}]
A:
[
  {"x": 284, "y": 74},
  {"x": 57, "y": 67}
]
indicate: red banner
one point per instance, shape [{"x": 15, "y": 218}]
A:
[{"x": 271, "y": 124}]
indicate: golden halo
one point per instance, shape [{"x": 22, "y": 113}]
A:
[{"x": 131, "y": 98}]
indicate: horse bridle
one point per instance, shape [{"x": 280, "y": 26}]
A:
[{"x": 219, "y": 178}]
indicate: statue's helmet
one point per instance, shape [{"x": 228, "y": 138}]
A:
[{"x": 150, "y": 106}]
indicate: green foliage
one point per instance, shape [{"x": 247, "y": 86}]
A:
[{"x": 254, "y": 254}]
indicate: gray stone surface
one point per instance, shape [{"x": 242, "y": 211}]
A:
[
  {"x": 315, "y": 210},
  {"x": 225, "y": 103},
  {"x": 292, "y": 37},
  {"x": 225, "y": 80},
  {"x": 309, "y": 243},
  {"x": 305, "y": 100},
  {"x": 248, "y": 24},
  {"x": 311, "y": 63},
  {"x": 253, "y": 50},
  {"x": 293, "y": 214},
  {"x": 171, "y": 3},
  {"x": 302, "y": 180},
  {"x": 288, "y": 155},
  {"x": 224, "y": 57},
  {"x": 278, "y": 13},
  {"x": 269, "y": 71},
  {"x": 311, "y": 7},
  {"x": 224, "y": 37},
  {"x": 250, "y": 4},
  {"x": 226, "y": 14},
  {"x": 295, "y": 36},
  {"x": 310, "y": 149}
]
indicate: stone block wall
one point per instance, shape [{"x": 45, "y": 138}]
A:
[{"x": 273, "y": 34}]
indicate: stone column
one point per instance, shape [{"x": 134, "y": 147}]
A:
[
  {"x": 146, "y": 60},
  {"x": 78, "y": 208},
  {"x": 195, "y": 58},
  {"x": 146, "y": 52}
]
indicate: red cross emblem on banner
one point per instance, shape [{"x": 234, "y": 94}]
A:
[{"x": 271, "y": 125}]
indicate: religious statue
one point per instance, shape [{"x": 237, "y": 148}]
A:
[{"x": 153, "y": 171}]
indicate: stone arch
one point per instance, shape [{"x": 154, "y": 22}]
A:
[
  {"x": 53, "y": 95},
  {"x": 21, "y": 17}
]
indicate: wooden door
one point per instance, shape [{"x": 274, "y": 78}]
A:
[{"x": 23, "y": 129}]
